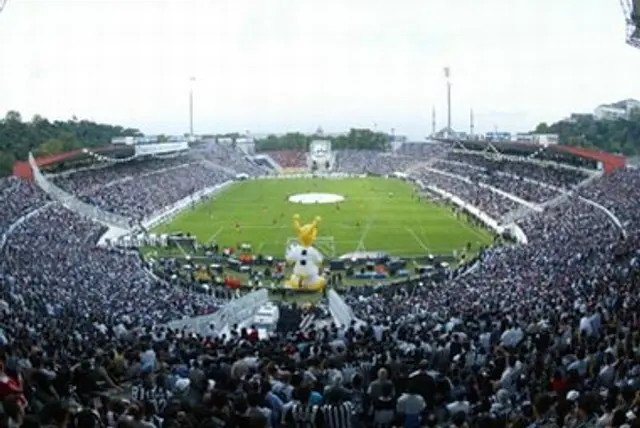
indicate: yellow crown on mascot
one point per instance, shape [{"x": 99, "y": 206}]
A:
[{"x": 306, "y": 259}]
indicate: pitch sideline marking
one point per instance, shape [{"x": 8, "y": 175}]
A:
[
  {"x": 471, "y": 229},
  {"x": 184, "y": 253},
  {"x": 365, "y": 232},
  {"x": 218, "y": 232},
  {"x": 418, "y": 240}
]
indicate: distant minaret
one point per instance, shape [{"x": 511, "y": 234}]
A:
[
  {"x": 447, "y": 75},
  {"x": 471, "y": 125},
  {"x": 433, "y": 121}
]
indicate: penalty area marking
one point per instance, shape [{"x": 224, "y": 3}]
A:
[{"x": 418, "y": 240}]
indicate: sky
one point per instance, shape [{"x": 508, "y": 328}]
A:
[{"x": 293, "y": 65}]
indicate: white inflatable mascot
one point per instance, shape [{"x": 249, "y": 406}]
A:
[{"x": 306, "y": 271}]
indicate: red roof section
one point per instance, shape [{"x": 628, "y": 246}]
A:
[
  {"x": 609, "y": 162},
  {"x": 22, "y": 168},
  {"x": 53, "y": 159}
]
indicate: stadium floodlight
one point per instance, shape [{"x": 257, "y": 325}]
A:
[
  {"x": 191, "y": 82},
  {"x": 631, "y": 10}
]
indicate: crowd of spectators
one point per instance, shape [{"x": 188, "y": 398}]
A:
[
  {"x": 86, "y": 181},
  {"x": 372, "y": 162},
  {"x": 488, "y": 201},
  {"x": 17, "y": 198},
  {"x": 618, "y": 193},
  {"x": 230, "y": 157},
  {"x": 145, "y": 195},
  {"x": 544, "y": 334},
  {"x": 423, "y": 151},
  {"x": 516, "y": 185},
  {"x": 141, "y": 187},
  {"x": 289, "y": 158},
  {"x": 555, "y": 175}
]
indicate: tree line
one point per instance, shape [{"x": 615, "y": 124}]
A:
[
  {"x": 43, "y": 137},
  {"x": 360, "y": 139},
  {"x": 620, "y": 136}
]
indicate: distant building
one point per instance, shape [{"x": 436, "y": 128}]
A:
[
  {"x": 619, "y": 110},
  {"x": 607, "y": 112}
]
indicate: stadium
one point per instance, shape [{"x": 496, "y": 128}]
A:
[
  {"x": 448, "y": 219},
  {"x": 346, "y": 281},
  {"x": 212, "y": 217}
]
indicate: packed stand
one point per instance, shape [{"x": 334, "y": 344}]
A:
[
  {"x": 86, "y": 181},
  {"x": 289, "y": 158},
  {"x": 229, "y": 157},
  {"x": 557, "y": 176},
  {"x": 545, "y": 334},
  {"x": 620, "y": 193},
  {"x": 423, "y": 151},
  {"x": 514, "y": 185},
  {"x": 17, "y": 198},
  {"x": 371, "y": 162},
  {"x": 52, "y": 267},
  {"x": 145, "y": 195},
  {"x": 492, "y": 203}
]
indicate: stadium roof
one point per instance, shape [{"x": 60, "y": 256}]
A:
[
  {"x": 609, "y": 162},
  {"x": 22, "y": 168}
]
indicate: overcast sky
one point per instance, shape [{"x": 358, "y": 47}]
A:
[{"x": 280, "y": 65}]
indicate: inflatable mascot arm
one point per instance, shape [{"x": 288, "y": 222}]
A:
[{"x": 306, "y": 258}]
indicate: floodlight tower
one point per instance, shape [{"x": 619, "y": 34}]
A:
[
  {"x": 447, "y": 75},
  {"x": 471, "y": 123},
  {"x": 433, "y": 121},
  {"x": 631, "y": 10}
]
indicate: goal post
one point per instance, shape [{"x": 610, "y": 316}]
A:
[{"x": 325, "y": 244}]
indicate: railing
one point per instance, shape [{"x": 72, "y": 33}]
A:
[
  {"x": 235, "y": 312},
  {"x": 340, "y": 311}
]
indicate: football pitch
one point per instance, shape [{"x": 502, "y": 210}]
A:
[{"x": 376, "y": 215}]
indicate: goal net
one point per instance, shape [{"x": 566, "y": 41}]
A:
[{"x": 325, "y": 244}]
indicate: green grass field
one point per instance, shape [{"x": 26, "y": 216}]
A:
[{"x": 376, "y": 215}]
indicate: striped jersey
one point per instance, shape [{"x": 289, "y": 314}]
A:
[
  {"x": 338, "y": 415},
  {"x": 303, "y": 415}
]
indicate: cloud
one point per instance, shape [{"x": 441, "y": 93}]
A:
[{"x": 273, "y": 65}]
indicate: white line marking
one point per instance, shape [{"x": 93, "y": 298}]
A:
[
  {"x": 260, "y": 247},
  {"x": 471, "y": 229},
  {"x": 184, "y": 253},
  {"x": 211, "y": 239},
  {"x": 418, "y": 240},
  {"x": 365, "y": 232}
]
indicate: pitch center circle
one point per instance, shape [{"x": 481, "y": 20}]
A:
[{"x": 316, "y": 198}]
